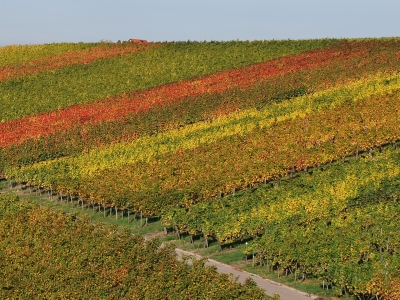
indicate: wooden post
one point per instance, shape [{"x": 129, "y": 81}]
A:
[
  {"x": 205, "y": 241},
  {"x": 357, "y": 153},
  {"x": 253, "y": 258}
]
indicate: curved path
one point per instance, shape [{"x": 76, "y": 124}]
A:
[{"x": 270, "y": 287}]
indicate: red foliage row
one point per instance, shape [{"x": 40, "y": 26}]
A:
[
  {"x": 114, "y": 108},
  {"x": 71, "y": 58}
]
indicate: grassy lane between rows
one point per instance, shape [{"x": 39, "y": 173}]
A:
[{"x": 137, "y": 225}]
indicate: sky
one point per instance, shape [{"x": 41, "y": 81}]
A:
[{"x": 51, "y": 21}]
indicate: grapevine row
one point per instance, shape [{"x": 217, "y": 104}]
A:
[
  {"x": 75, "y": 84},
  {"x": 205, "y": 133},
  {"x": 299, "y": 201},
  {"x": 264, "y": 153},
  {"x": 48, "y": 254},
  {"x": 354, "y": 252},
  {"x": 338, "y": 224},
  {"x": 109, "y": 109},
  {"x": 58, "y": 134}
]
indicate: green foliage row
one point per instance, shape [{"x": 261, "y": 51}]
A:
[
  {"x": 13, "y": 54},
  {"x": 46, "y": 254},
  {"x": 352, "y": 251},
  {"x": 52, "y": 90}
]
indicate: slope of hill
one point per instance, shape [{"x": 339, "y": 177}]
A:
[
  {"x": 52, "y": 255},
  {"x": 197, "y": 132}
]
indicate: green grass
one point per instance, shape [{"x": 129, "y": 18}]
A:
[
  {"x": 136, "y": 226},
  {"x": 171, "y": 239},
  {"x": 3, "y": 185},
  {"x": 229, "y": 257}
]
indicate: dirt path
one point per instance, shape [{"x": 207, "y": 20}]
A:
[{"x": 270, "y": 287}]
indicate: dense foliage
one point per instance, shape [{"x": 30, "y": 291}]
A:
[
  {"x": 47, "y": 255},
  {"x": 198, "y": 162},
  {"x": 125, "y": 117},
  {"x": 213, "y": 137},
  {"x": 17, "y": 54},
  {"x": 70, "y": 58},
  {"x": 339, "y": 223},
  {"x": 54, "y": 89}
]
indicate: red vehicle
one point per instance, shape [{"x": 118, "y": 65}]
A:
[{"x": 138, "y": 41}]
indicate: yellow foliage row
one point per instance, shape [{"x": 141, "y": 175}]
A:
[{"x": 204, "y": 133}]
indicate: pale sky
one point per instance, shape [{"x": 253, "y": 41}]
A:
[{"x": 49, "y": 21}]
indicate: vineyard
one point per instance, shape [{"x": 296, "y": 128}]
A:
[
  {"x": 290, "y": 145},
  {"x": 49, "y": 253}
]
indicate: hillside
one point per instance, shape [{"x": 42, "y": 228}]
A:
[
  {"x": 291, "y": 144},
  {"x": 53, "y": 255}
]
